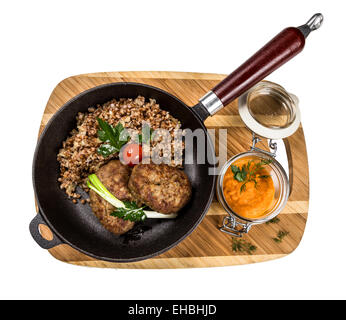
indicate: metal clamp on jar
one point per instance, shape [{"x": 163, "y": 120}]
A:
[{"x": 269, "y": 112}]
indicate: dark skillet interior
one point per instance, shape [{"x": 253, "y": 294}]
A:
[{"x": 76, "y": 224}]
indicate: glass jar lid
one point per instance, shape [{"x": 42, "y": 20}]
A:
[{"x": 269, "y": 111}]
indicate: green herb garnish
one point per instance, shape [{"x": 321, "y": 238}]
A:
[
  {"x": 130, "y": 212},
  {"x": 114, "y": 138},
  {"x": 274, "y": 220},
  {"x": 240, "y": 245},
  {"x": 124, "y": 209},
  {"x": 246, "y": 175},
  {"x": 281, "y": 234},
  {"x": 239, "y": 174},
  {"x": 96, "y": 185}
]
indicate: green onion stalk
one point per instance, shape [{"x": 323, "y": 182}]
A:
[{"x": 96, "y": 185}]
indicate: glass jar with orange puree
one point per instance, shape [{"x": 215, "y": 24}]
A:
[
  {"x": 253, "y": 197},
  {"x": 248, "y": 187},
  {"x": 252, "y": 186}
]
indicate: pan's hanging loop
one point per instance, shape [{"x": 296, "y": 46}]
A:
[
  {"x": 313, "y": 24},
  {"x": 315, "y": 21}
]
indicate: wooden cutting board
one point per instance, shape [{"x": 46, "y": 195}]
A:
[{"x": 206, "y": 246}]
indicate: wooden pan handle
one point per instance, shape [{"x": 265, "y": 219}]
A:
[{"x": 275, "y": 53}]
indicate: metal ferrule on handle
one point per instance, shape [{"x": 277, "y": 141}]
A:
[{"x": 211, "y": 102}]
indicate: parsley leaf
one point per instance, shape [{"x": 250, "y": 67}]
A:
[
  {"x": 102, "y": 136},
  {"x": 106, "y": 150},
  {"x": 245, "y": 174},
  {"x": 239, "y": 175},
  {"x": 114, "y": 137},
  {"x": 234, "y": 169},
  {"x": 131, "y": 212}
]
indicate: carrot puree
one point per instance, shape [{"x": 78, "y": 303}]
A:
[{"x": 253, "y": 200}]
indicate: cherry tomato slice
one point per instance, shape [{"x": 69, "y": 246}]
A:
[{"x": 132, "y": 154}]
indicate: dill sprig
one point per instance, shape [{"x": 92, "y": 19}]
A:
[
  {"x": 240, "y": 245},
  {"x": 280, "y": 236},
  {"x": 274, "y": 220}
]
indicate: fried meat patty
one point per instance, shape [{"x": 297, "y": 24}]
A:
[
  {"x": 114, "y": 176},
  {"x": 162, "y": 188}
]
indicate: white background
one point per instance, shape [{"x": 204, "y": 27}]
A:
[{"x": 43, "y": 42}]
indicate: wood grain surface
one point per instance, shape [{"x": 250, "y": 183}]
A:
[{"x": 206, "y": 246}]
